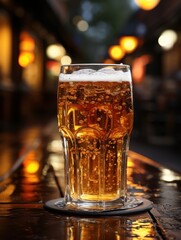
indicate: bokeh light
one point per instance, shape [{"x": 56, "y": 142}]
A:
[
  {"x": 53, "y": 67},
  {"x": 25, "y": 58},
  {"x": 138, "y": 67},
  {"x": 66, "y": 60},
  {"x": 116, "y": 52},
  {"x": 167, "y": 39},
  {"x": 169, "y": 176},
  {"x": 32, "y": 162},
  {"x": 27, "y": 44},
  {"x": 82, "y": 25},
  {"x": 128, "y": 43},
  {"x": 27, "y": 49},
  {"x": 55, "y": 51},
  {"x": 32, "y": 167},
  {"x": 147, "y": 4}
]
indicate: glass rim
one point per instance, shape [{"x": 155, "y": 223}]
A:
[{"x": 96, "y": 64}]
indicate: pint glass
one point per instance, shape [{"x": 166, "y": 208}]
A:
[{"x": 95, "y": 119}]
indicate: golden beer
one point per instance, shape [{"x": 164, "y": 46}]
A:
[{"x": 95, "y": 119}]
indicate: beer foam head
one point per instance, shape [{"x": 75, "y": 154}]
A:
[{"x": 104, "y": 74}]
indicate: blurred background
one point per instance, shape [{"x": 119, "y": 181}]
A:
[{"x": 36, "y": 37}]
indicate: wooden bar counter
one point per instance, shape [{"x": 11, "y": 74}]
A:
[{"x": 31, "y": 173}]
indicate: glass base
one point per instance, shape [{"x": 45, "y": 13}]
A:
[
  {"x": 132, "y": 206},
  {"x": 99, "y": 206}
]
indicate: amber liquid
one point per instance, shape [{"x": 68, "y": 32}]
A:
[{"x": 95, "y": 120}]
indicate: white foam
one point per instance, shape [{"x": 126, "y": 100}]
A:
[{"x": 95, "y": 76}]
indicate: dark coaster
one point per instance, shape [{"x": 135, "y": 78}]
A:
[{"x": 57, "y": 205}]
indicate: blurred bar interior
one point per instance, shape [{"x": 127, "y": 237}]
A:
[{"x": 37, "y": 36}]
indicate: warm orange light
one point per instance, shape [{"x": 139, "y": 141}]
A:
[
  {"x": 116, "y": 52},
  {"x": 25, "y": 58},
  {"x": 109, "y": 61},
  {"x": 27, "y": 44},
  {"x": 8, "y": 191},
  {"x": 66, "y": 60},
  {"x": 138, "y": 68},
  {"x": 129, "y": 43},
  {"x": 130, "y": 162},
  {"x": 142, "y": 228},
  {"x": 27, "y": 49},
  {"x": 53, "y": 67},
  {"x": 147, "y": 4},
  {"x": 32, "y": 167}
]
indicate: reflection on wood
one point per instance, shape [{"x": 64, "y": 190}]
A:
[{"x": 23, "y": 191}]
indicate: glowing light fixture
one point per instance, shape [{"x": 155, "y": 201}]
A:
[
  {"x": 129, "y": 43},
  {"x": 167, "y": 39},
  {"x": 31, "y": 163},
  {"x": 147, "y": 4},
  {"x": 32, "y": 167},
  {"x": 27, "y": 49},
  {"x": 27, "y": 44},
  {"x": 66, "y": 60},
  {"x": 116, "y": 52},
  {"x": 55, "y": 51},
  {"x": 25, "y": 58}
]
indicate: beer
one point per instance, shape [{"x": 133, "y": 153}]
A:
[{"x": 95, "y": 118}]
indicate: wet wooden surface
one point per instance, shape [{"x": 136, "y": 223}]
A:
[{"x": 31, "y": 172}]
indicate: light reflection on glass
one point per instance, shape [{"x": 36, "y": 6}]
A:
[
  {"x": 130, "y": 162},
  {"x": 130, "y": 169}
]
